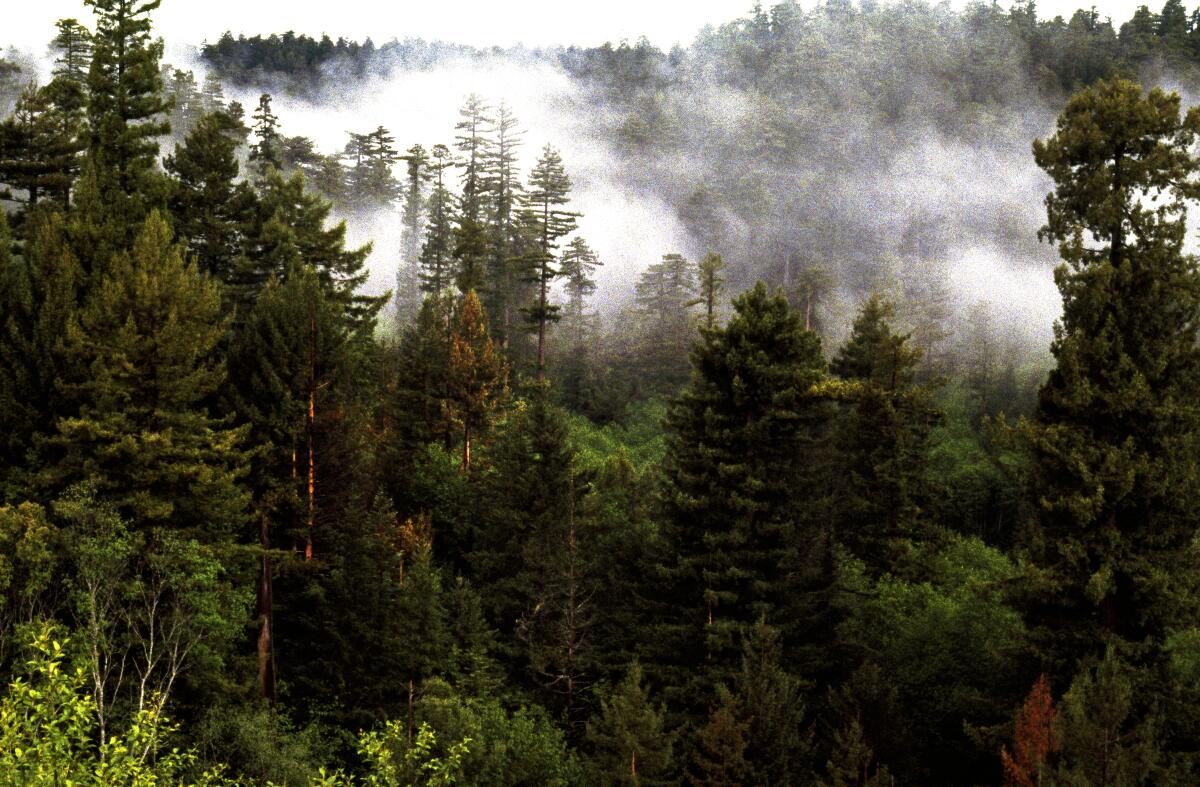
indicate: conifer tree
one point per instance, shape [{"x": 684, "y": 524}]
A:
[
  {"x": 415, "y": 201},
  {"x": 1115, "y": 436},
  {"x": 266, "y": 152},
  {"x": 629, "y": 740},
  {"x": 125, "y": 107},
  {"x": 545, "y": 221},
  {"x": 712, "y": 285},
  {"x": 503, "y": 186},
  {"x": 147, "y": 338},
  {"x": 882, "y": 441},
  {"x": 39, "y": 296},
  {"x": 212, "y": 97},
  {"x": 186, "y": 102},
  {"x": 476, "y": 376},
  {"x": 578, "y": 267},
  {"x": 436, "y": 273},
  {"x": 73, "y": 51},
  {"x": 211, "y": 209},
  {"x": 721, "y": 753},
  {"x": 740, "y": 441},
  {"x": 39, "y": 146},
  {"x": 472, "y": 144},
  {"x": 284, "y": 206},
  {"x": 663, "y": 297}
]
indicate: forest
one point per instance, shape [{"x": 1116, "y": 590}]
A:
[{"x": 784, "y": 512}]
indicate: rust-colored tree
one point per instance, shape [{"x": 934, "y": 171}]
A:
[
  {"x": 476, "y": 374},
  {"x": 1033, "y": 740}
]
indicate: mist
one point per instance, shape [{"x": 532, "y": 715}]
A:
[{"x": 888, "y": 146}]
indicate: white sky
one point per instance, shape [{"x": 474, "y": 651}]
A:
[{"x": 29, "y": 23}]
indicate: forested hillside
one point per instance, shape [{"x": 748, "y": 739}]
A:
[{"x": 791, "y": 516}]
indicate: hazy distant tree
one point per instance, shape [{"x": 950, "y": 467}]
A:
[
  {"x": 473, "y": 145},
  {"x": 545, "y": 220},
  {"x": 436, "y": 259},
  {"x": 712, "y": 285},
  {"x": 503, "y": 185},
  {"x": 265, "y": 152},
  {"x": 408, "y": 283},
  {"x": 73, "y": 51}
]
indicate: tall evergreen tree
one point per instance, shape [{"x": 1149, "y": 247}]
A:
[
  {"x": 545, "y": 220},
  {"x": 266, "y": 152},
  {"x": 739, "y": 455},
  {"x": 882, "y": 442},
  {"x": 503, "y": 185},
  {"x": 1115, "y": 436},
  {"x": 73, "y": 49},
  {"x": 436, "y": 273},
  {"x": 39, "y": 147},
  {"x": 39, "y": 296},
  {"x": 125, "y": 111},
  {"x": 146, "y": 340},
  {"x": 712, "y": 285},
  {"x": 416, "y": 199},
  {"x": 476, "y": 376},
  {"x": 630, "y": 742},
  {"x": 211, "y": 209}
]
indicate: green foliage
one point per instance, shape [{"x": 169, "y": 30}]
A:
[
  {"x": 629, "y": 741},
  {"x": 145, "y": 344},
  {"x": 952, "y": 649},
  {"x": 731, "y": 472},
  {"x": 47, "y": 728},
  {"x": 1114, "y": 439}
]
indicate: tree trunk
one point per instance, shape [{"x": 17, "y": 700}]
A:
[
  {"x": 266, "y": 634},
  {"x": 466, "y": 457},
  {"x": 309, "y": 421}
]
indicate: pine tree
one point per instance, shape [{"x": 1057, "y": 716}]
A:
[
  {"x": 125, "y": 107},
  {"x": 476, "y": 376},
  {"x": 630, "y": 743},
  {"x": 712, "y": 285},
  {"x": 503, "y": 186},
  {"x": 772, "y": 701},
  {"x": 186, "y": 102},
  {"x": 545, "y": 221},
  {"x": 39, "y": 296},
  {"x": 1114, "y": 438},
  {"x": 882, "y": 441},
  {"x": 1034, "y": 739},
  {"x": 288, "y": 214},
  {"x": 721, "y": 754},
  {"x": 531, "y": 556},
  {"x": 73, "y": 50},
  {"x": 212, "y": 96},
  {"x": 740, "y": 443},
  {"x": 408, "y": 288},
  {"x": 436, "y": 274},
  {"x": 578, "y": 265},
  {"x": 265, "y": 153},
  {"x": 39, "y": 147},
  {"x": 147, "y": 337},
  {"x": 472, "y": 145},
  {"x": 211, "y": 209},
  {"x": 663, "y": 297}
]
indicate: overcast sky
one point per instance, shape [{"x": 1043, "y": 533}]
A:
[{"x": 476, "y": 22}]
